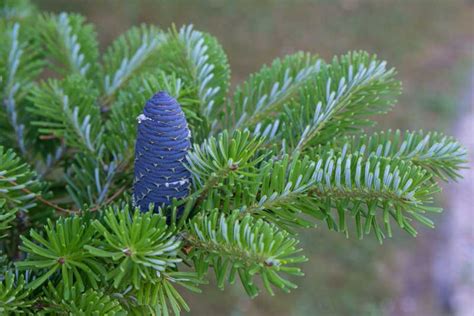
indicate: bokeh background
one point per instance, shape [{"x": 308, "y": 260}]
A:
[{"x": 431, "y": 44}]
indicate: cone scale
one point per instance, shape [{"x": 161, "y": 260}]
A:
[{"x": 163, "y": 140}]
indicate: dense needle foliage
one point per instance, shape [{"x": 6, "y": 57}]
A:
[{"x": 286, "y": 150}]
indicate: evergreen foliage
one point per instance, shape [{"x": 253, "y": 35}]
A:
[
  {"x": 14, "y": 295},
  {"x": 285, "y": 151},
  {"x": 243, "y": 246},
  {"x": 69, "y": 43}
]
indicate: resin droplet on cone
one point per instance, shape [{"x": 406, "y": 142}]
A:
[{"x": 163, "y": 139}]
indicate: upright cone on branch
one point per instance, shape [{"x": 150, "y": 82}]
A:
[
  {"x": 163, "y": 140},
  {"x": 283, "y": 150}
]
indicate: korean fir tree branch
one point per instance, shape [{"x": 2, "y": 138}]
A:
[
  {"x": 275, "y": 190},
  {"x": 201, "y": 62},
  {"x": 129, "y": 55},
  {"x": 141, "y": 251},
  {"x": 5, "y": 264},
  {"x": 90, "y": 180},
  {"x": 441, "y": 155},
  {"x": 67, "y": 110},
  {"x": 223, "y": 160},
  {"x": 138, "y": 246},
  {"x": 60, "y": 252},
  {"x": 78, "y": 302},
  {"x": 19, "y": 66},
  {"x": 16, "y": 10},
  {"x": 265, "y": 92},
  {"x": 14, "y": 296},
  {"x": 160, "y": 297},
  {"x": 372, "y": 189},
  {"x": 7, "y": 216},
  {"x": 270, "y": 170},
  {"x": 22, "y": 196},
  {"x": 70, "y": 44},
  {"x": 246, "y": 247},
  {"x": 298, "y": 191},
  {"x": 340, "y": 99},
  {"x": 278, "y": 193},
  {"x": 232, "y": 173},
  {"x": 19, "y": 187}
]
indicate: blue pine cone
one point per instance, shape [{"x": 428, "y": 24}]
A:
[{"x": 163, "y": 139}]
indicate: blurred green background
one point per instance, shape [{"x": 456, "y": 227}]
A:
[{"x": 429, "y": 42}]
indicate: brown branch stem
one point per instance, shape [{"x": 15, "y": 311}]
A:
[{"x": 39, "y": 198}]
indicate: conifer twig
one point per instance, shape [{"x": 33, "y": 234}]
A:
[{"x": 39, "y": 198}]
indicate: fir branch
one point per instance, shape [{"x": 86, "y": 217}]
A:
[
  {"x": 339, "y": 100},
  {"x": 441, "y": 155},
  {"x": 89, "y": 180},
  {"x": 265, "y": 92},
  {"x": 78, "y": 302},
  {"x": 286, "y": 192},
  {"x": 139, "y": 247},
  {"x": 246, "y": 247},
  {"x": 200, "y": 61},
  {"x": 163, "y": 296},
  {"x": 16, "y": 9},
  {"x": 70, "y": 43},
  {"x": 14, "y": 295},
  {"x": 11, "y": 88},
  {"x": 6, "y": 217},
  {"x": 365, "y": 87},
  {"x": 29, "y": 193},
  {"x": 223, "y": 159},
  {"x": 18, "y": 184},
  {"x": 19, "y": 65},
  {"x": 361, "y": 187},
  {"x": 276, "y": 191},
  {"x": 62, "y": 252},
  {"x": 279, "y": 193},
  {"x": 128, "y": 56},
  {"x": 52, "y": 159},
  {"x": 250, "y": 189},
  {"x": 67, "y": 110}
]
